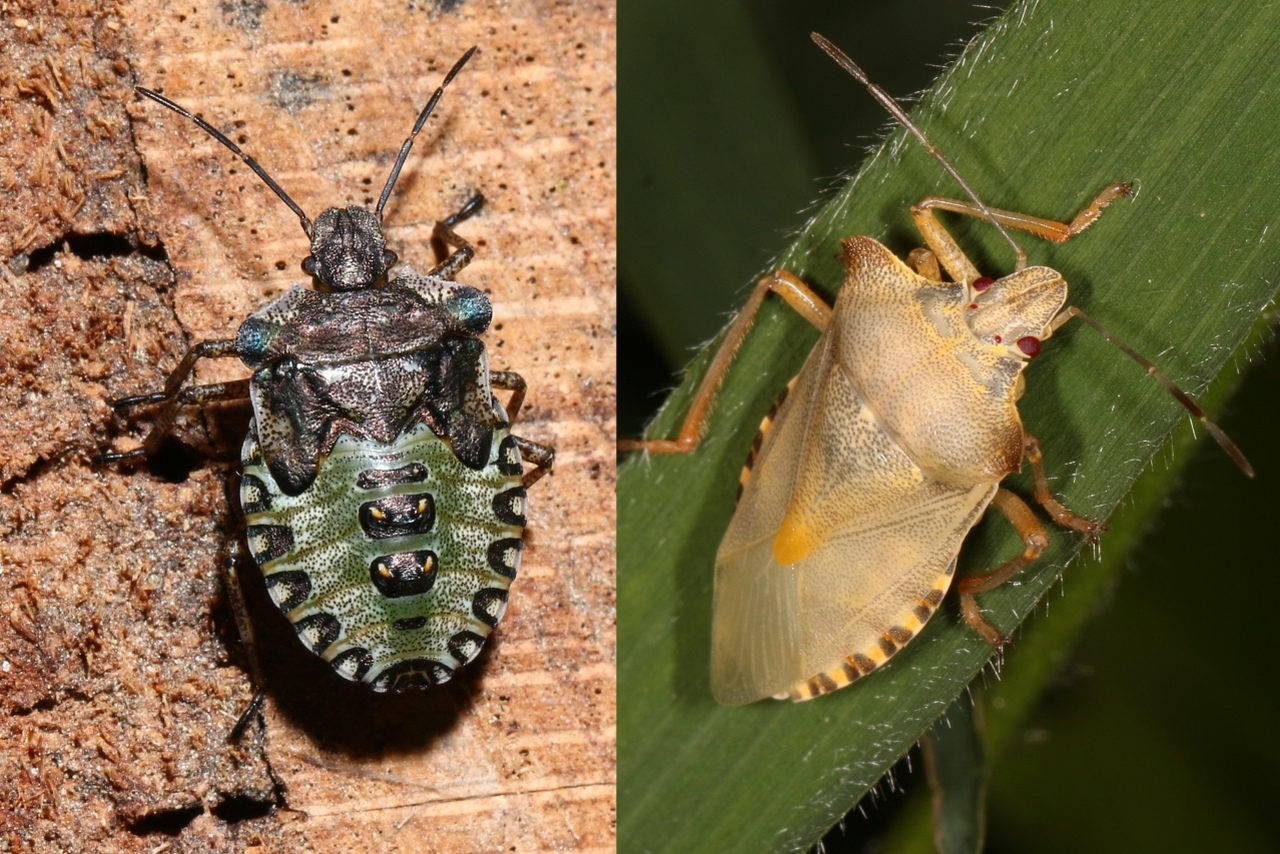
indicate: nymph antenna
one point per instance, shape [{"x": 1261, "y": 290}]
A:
[
  {"x": 417, "y": 126},
  {"x": 235, "y": 149}
]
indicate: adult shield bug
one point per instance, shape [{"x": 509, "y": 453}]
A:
[
  {"x": 383, "y": 494},
  {"x": 887, "y": 448}
]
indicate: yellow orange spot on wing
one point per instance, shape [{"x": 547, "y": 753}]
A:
[{"x": 794, "y": 540}]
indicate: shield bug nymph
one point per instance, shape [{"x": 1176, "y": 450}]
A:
[
  {"x": 886, "y": 449},
  {"x": 382, "y": 492}
]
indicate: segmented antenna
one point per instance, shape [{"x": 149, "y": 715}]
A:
[
  {"x": 235, "y": 149},
  {"x": 417, "y": 126},
  {"x": 1223, "y": 440},
  {"x": 901, "y": 117},
  {"x": 270, "y": 182}
]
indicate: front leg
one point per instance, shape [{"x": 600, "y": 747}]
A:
[
  {"x": 796, "y": 294},
  {"x": 463, "y": 252}
]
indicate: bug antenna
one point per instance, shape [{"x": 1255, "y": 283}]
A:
[
  {"x": 417, "y": 126},
  {"x": 1181, "y": 396},
  {"x": 235, "y": 149},
  {"x": 901, "y": 117}
]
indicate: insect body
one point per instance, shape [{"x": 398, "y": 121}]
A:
[
  {"x": 886, "y": 450},
  {"x": 383, "y": 493}
]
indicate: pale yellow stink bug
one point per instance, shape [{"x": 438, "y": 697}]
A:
[{"x": 882, "y": 455}]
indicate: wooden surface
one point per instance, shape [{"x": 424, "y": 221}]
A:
[{"x": 129, "y": 235}]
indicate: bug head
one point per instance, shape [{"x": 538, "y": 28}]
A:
[
  {"x": 348, "y": 250},
  {"x": 1016, "y": 311}
]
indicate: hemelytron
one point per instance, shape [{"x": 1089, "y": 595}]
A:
[{"x": 383, "y": 493}]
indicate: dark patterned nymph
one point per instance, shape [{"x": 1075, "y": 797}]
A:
[{"x": 383, "y": 493}]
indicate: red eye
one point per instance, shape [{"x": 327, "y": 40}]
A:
[
  {"x": 981, "y": 283},
  {"x": 998, "y": 339},
  {"x": 1030, "y": 346}
]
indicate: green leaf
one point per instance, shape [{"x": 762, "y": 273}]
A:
[
  {"x": 958, "y": 778},
  {"x": 1050, "y": 104}
]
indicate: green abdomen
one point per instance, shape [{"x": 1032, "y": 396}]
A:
[{"x": 394, "y": 564}]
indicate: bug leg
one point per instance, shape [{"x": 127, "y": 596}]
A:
[
  {"x": 798, "y": 295},
  {"x": 204, "y": 350},
  {"x": 514, "y": 383},
  {"x": 1034, "y": 537},
  {"x": 1035, "y": 541},
  {"x": 463, "y": 253},
  {"x": 236, "y": 390},
  {"x": 198, "y": 394},
  {"x": 925, "y": 263},
  {"x": 542, "y": 457},
  {"x": 235, "y": 597},
  {"x": 1051, "y": 505},
  {"x": 957, "y": 264},
  {"x": 242, "y": 723},
  {"x": 233, "y": 552}
]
